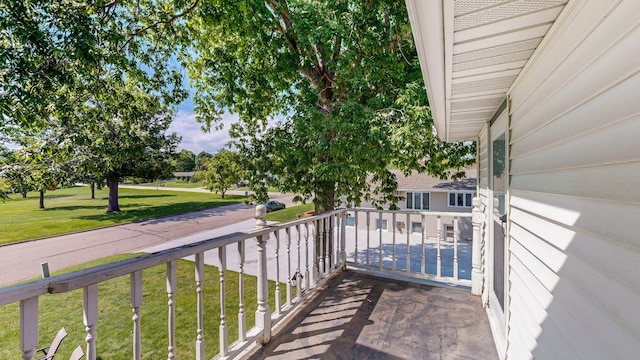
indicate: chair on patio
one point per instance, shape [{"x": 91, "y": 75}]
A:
[
  {"x": 77, "y": 354},
  {"x": 50, "y": 351}
]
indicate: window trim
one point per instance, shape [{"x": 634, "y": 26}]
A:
[
  {"x": 413, "y": 202},
  {"x": 465, "y": 196},
  {"x": 419, "y": 223},
  {"x": 379, "y": 223}
]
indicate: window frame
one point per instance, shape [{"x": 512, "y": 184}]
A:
[
  {"x": 465, "y": 197},
  {"x": 411, "y": 197},
  {"x": 385, "y": 222}
]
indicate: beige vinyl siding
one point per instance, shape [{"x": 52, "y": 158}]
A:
[
  {"x": 483, "y": 157},
  {"x": 575, "y": 189}
]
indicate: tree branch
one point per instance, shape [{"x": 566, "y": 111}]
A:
[{"x": 160, "y": 22}]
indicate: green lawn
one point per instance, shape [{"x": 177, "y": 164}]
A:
[
  {"x": 69, "y": 210},
  {"x": 175, "y": 184},
  {"x": 290, "y": 213},
  {"x": 114, "y": 327}
]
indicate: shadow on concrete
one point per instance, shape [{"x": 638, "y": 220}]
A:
[{"x": 363, "y": 317}]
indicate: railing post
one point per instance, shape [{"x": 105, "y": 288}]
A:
[
  {"x": 289, "y": 285},
  {"x": 29, "y": 327},
  {"x": 343, "y": 240},
  {"x": 242, "y": 319},
  {"x": 91, "y": 319},
  {"x": 306, "y": 255},
  {"x": 423, "y": 257},
  {"x": 439, "y": 234},
  {"x": 393, "y": 247},
  {"x": 380, "y": 240},
  {"x": 277, "y": 292},
  {"x": 355, "y": 231},
  {"x": 224, "y": 335},
  {"x": 456, "y": 237},
  {"x": 477, "y": 218},
  {"x": 263, "y": 314},
  {"x": 172, "y": 283},
  {"x": 199, "y": 269},
  {"x": 136, "y": 303}
]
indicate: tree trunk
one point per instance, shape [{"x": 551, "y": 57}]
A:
[
  {"x": 222, "y": 193},
  {"x": 24, "y": 194},
  {"x": 113, "y": 197},
  {"x": 93, "y": 190},
  {"x": 41, "y": 199}
]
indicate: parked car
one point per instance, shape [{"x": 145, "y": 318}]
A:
[{"x": 273, "y": 205}]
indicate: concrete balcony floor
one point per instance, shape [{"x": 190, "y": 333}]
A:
[{"x": 360, "y": 316}]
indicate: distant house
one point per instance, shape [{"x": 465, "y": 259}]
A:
[
  {"x": 183, "y": 175},
  {"x": 425, "y": 192},
  {"x": 422, "y": 192}
]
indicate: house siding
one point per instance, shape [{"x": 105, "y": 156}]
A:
[{"x": 574, "y": 179}]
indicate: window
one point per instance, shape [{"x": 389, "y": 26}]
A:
[
  {"x": 418, "y": 200},
  {"x": 381, "y": 225},
  {"x": 460, "y": 199},
  {"x": 350, "y": 221},
  {"x": 416, "y": 227}
]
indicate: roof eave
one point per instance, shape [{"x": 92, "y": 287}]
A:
[{"x": 431, "y": 54}]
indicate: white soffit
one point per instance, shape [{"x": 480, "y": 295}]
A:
[{"x": 471, "y": 52}]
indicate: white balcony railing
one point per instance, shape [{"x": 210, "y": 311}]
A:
[
  {"x": 303, "y": 254},
  {"x": 425, "y": 245}
]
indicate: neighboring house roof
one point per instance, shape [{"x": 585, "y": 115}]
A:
[
  {"x": 421, "y": 181},
  {"x": 183, "y": 174}
]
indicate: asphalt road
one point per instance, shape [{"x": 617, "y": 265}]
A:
[{"x": 19, "y": 262}]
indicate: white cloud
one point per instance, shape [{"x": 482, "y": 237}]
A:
[{"x": 194, "y": 139}]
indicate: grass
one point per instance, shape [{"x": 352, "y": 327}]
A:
[
  {"x": 114, "y": 329},
  {"x": 71, "y": 209},
  {"x": 290, "y": 213},
  {"x": 175, "y": 184}
]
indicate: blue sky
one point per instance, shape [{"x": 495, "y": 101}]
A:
[{"x": 193, "y": 138}]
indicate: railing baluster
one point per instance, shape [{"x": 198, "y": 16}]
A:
[
  {"x": 355, "y": 228},
  {"x": 327, "y": 245},
  {"x": 172, "y": 281},
  {"x": 438, "y": 236},
  {"x": 298, "y": 273},
  {"x": 224, "y": 336},
  {"x": 317, "y": 252},
  {"x": 335, "y": 241},
  {"x": 263, "y": 314},
  {"x": 456, "y": 234},
  {"x": 393, "y": 247},
  {"x": 136, "y": 303},
  {"x": 368, "y": 236},
  {"x": 306, "y": 246},
  {"x": 408, "y": 243},
  {"x": 91, "y": 319},
  {"x": 277, "y": 294},
  {"x": 29, "y": 327},
  {"x": 343, "y": 240},
  {"x": 288, "y": 242},
  {"x": 380, "y": 237},
  {"x": 423, "y": 259},
  {"x": 199, "y": 269},
  {"x": 242, "y": 318}
]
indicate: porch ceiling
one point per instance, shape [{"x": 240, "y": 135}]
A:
[{"x": 471, "y": 52}]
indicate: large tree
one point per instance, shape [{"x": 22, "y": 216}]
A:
[
  {"x": 343, "y": 78},
  {"x": 56, "y": 53},
  {"x": 221, "y": 171},
  {"x": 126, "y": 134},
  {"x": 185, "y": 161}
]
